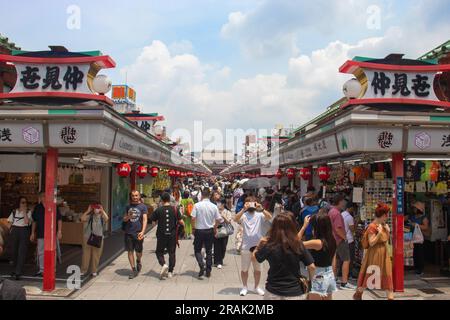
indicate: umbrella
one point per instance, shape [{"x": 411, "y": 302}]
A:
[
  {"x": 241, "y": 182},
  {"x": 257, "y": 183}
]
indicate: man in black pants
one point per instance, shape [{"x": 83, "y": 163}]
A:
[
  {"x": 205, "y": 218},
  {"x": 168, "y": 218}
]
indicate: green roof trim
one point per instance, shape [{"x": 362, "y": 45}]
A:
[
  {"x": 440, "y": 118},
  {"x": 362, "y": 59},
  {"x": 68, "y": 111},
  {"x": 437, "y": 53},
  {"x": 95, "y": 53}
]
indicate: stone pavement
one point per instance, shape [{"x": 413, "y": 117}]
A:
[{"x": 224, "y": 284}]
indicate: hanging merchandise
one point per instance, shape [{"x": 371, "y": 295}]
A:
[
  {"x": 434, "y": 171},
  {"x": 154, "y": 171},
  {"x": 123, "y": 169},
  {"x": 141, "y": 171},
  {"x": 324, "y": 173},
  {"x": 305, "y": 173},
  {"x": 290, "y": 173}
]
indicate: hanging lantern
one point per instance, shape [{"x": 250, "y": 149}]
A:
[
  {"x": 141, "y": 171},
  {"x": 123, "y": 169},
  {"x": 172, "y": 173},
  {"x": 290, "y": 173},
  {"x": 154, "y": 171},
  {"x": 177, "y": 173},
  {"x": 189, "y": 174},
  {"x": 279, "y": 174},
  {"x": 305, "y": 173},
  {"x": 324, "y": 173},
  {"x": 183, "y": 174}
]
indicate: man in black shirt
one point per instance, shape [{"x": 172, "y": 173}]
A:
[
  {"x": 168, "y": 219},
  {"x": 38, "y": 230}
]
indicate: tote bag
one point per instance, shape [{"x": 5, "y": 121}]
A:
[{"x": 417, "y": 235}]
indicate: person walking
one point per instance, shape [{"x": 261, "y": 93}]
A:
[
  {"x": 419, "y": 218},
  {"x": 342, "y": 248},
  {"x": 38, "y": 230},
  {"x": 284, "y": 251},
  {"x": 168, "y": 219},
  {"x": 220, "y": 244},
  {"x": 349, "y": 222},
  {"x": 375, "y": 241},
  {"x": 205, "y": 218},
  {"x": 311, "y": 208},
  {"x": 323, "y": 248},
  {"x": 252, "y": 218},
  {"x": 135, "y": 220},
  {"x": 187, "y": 204},
  {"x": 95, "y": 218},
  {"x": 20, "y": 221}
]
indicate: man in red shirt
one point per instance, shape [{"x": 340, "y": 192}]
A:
[{"x": 342, "y": 247}]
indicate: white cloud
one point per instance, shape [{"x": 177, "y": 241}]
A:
[{"x": 181, "y": 47}]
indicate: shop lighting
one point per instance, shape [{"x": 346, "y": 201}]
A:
[
  {"x": 333, "y": 163},
  {"x": 428, "y": 159},
  {"x": 381, "y": 161}
]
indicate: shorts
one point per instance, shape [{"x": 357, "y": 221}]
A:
[
  {"x": 247, "y": 259},
  {"x": 343, "y": 251},
  {"x": 270, "y": 296},
  {"x": 133, "y": 244},
  {"x": 324, "y": 282}
]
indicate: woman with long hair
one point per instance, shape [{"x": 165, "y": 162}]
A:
[
  {"x": 322, "y": 247},
  {"x": 284, "y": 251},
  {"x": 376, "y": 257}
]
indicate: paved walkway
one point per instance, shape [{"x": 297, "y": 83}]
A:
[{"x": 224, "y": 284}]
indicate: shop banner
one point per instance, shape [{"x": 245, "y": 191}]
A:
[
  {"x": 18, "y": 134},
  {"x": 325, "y": 147},
  {"x": 81, "y": 135},
  {"x": 366, "y": 139},
  {"x": 129, "y": 146},
  {"x": 399, "y": 195},
  {"x": 429, "y": 140}
]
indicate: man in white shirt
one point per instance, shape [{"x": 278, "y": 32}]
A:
[
  {"x": 205, "y": 218},
  {"x": 251, "y": 217},
  {"x": 349, "y": 223}
]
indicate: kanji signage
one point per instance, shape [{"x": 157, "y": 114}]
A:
[
  {"x": 369, "y": 139},
  {"x": 408, "y": 82},
  {"x": 399, "y": 194},
  {"x": 68, "y": 134},
  {"x": 63, "y": 77},
  {"x": 314, "y": 150},
  {"x": 19, "y": 134},
  {"x": 385, "y": 139},
  {"x": 430, "y": 140}
]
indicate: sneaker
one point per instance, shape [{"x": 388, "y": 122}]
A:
[
  {"x": 201, "y": 273},
  {"x": 259, "y": 291},
  {"x": 94, "y": 274},
  {"x": 219, "y": 266},
  {"x": 347, "y": 286},
  {"x": 170, "y": 275},
  {"x": 243, "y": 292},
  {"x": 138, "y": 266},
  {"x": 132, "y": 274},
  {"x": 164, "y": 271}
]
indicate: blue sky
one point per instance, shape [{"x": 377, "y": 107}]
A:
[{"x": 233, "y": 64}]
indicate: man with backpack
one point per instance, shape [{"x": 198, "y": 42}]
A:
[
  {"x": 168, "y": 219},
  {"x": 135, "y": 224}
]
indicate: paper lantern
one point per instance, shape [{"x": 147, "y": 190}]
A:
[
  {"x": 154, "y": 171},
  {"x": 183, "y": 174},
  {"x": 190, "y": 174},
  {"x": 172, "y": 173},
  {"x": 141, "y": 171},
  {"x": 324, "y": 173},
  {"x": 352, "y": 89},
  {"x": 123, "y": 169},
  {"x": 279, "y": 174},
  {"x": 177, "y": 173},
  {"x": 290, "y": 173},
  {"x": 305, "y": 173}
]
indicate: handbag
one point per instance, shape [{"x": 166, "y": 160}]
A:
[
  {"x": 225, "y": 230},
  {"x": 95, "y": 240}
]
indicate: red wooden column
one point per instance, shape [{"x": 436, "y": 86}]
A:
[
  {"x": 397, "y": 222},
  {"x": 51, "y": 168}
]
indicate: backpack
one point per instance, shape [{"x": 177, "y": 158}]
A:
[{"x": 189, "y": 209}]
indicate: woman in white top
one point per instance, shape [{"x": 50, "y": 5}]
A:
[{"x": 20, "y": 222}]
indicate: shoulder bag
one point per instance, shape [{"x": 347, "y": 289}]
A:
[{"x": 95, "y": 240}]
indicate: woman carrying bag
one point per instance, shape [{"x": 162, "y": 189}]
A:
[
  {"x": 223, "y": 232},
  {"x": 95, "y": 218},
  {"x": 421, "y": 225}
]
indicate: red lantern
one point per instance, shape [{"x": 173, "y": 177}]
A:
[
  {"x": 141, "y": 171},
  {"x": 172, "y": 173},
  {"x": 279, "y": 174},
  {"x": 305, "y": 173},
  {"x": 183, "y": 174},
  {"x": 189, "y": 174},
  {"x": 154, "y": 171},
  {"x": 324, "y": 173},
  {"x": 123, "y": 169},
  {"x": 290, "y": 173},
  {"x": 177, "y": 173}
]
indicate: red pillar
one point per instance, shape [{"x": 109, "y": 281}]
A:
[
  {"x": 51, "y": 168},
  {"x": 397, "y": 223}
]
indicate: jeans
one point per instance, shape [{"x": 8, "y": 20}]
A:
[
  {"x": 220, "y": 247},
  {"x": 168, "y": 242},
  {"x": 204, "y": 238}
]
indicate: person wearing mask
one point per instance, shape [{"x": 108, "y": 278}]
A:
[
  {"x": 188, "y": 205},
  {"x": 196, "y": 194},
  {"x": 168, "y": 219},
  {"x": 252, "y": 218},
  {"x": 342, "y": 248},
  {"x": 284, "y": 251},
  {"x": 205, "y": 218},
  {"x": 322, "y": 247},
  {"x": 375, "y": 240},
  {"x": 19, "y": 222},
  {"x": 38, "y": 227},
  {"x": 418, "y": 217},
  {"x": 135, "y": 220},
  {"x": 95, "y": 219},
  {"x": 349, "y": 222},
  {"x": 220, "y": 244},
  {"x": 310, "y": 209}
]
